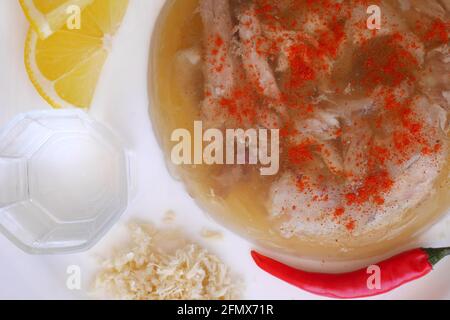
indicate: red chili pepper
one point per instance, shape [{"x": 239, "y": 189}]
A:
[{"x": 395, "y": 272}]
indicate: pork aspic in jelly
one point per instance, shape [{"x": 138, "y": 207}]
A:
[{"x": 361, "y": 112}]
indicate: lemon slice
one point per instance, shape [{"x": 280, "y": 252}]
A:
[
  {"x": 48, "y": 16},
  {"x": 65, "y": 67}
]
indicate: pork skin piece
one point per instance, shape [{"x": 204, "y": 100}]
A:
[
  {"x": 321, "y": 130},
  {"x": 434, "y": 79},
  {"x": 356, "y": 138},
  {"x": 255, "y": 63},
  {"x": 219, "y": 66},
  {"x": 432, "y": 8},
  {"x": 297, "y": 210}
]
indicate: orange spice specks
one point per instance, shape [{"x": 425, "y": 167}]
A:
[
  {"x": 390, "y": 102},
  {"x": 413, "y": 127},
  {"x": 373, "y": 188},
  {"x": 378, "y": 200},
  {"x": 323, "y": 197},
  {"x": 396, "y": 38},
  {"x": 330, "y": 42},
  {"x": 241, "y": 105},
  {"x": 288, "y": 130},
  {"x": 438, "y": 32},
  {"x": 437, "y": 147},
  {"x": 430, "y": 150},
  {"x": 300, "y": 154},
  {"x": 265, "y": 9},
  {"x": 219, "y": 68},
  {"x": 218, "y": 41},
  {"x": 302, "y": 183},
  {"x": 402, "y": 141},
  {"x": 301, "y": 70},
  {"x": 339, "y": 212},
  {"x": 394, "y": 65},
  {"x": 218, "y": 54},
  {"x": 350, "y": 225},
  {"x": 229, "y": 104},
  {"x": 379, "y": 154},
  {"x": 310, "y": 108},
  {"x": 426, "y": 151}
]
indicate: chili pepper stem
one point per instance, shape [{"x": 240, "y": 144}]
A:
[{"x": 437, "y": 254}]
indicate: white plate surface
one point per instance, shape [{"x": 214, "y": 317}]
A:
[{"x": 121, "y": 102}]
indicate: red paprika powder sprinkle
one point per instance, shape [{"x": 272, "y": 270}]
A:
[
  {"x": 300, "y": 154},
  {"x": 373, "y": 188},
  {"x": 438, "y": 31}
]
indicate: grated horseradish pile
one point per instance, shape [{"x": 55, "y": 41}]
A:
[{"x": 163, "y": 265}]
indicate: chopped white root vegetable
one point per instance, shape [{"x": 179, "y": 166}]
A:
[
  {"x": 169, "y": 217},
  {"x": 211, "y": 234},
  {"x": 163, "y": 265}
]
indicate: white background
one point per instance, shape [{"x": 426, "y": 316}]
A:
[{"x": 122, "y": 103}]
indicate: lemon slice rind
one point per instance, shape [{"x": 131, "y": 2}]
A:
[
  {"x": 37, "y": 20},
  {"x": 47, "y": 24},
  {"x": 65, "y": 68},
  {"x": 44, "y": 86}
]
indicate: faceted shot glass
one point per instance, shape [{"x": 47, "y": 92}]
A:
[{"x": 64, "y": 180}]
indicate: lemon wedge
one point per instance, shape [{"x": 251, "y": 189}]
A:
[
  {"x": 48, "y": 16},
  {"x": 65, "y": 67}
]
